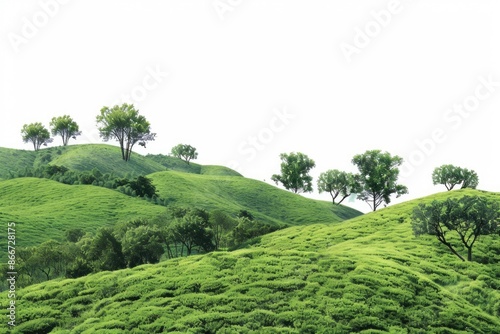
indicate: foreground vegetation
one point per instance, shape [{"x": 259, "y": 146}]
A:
[{"x": 367, "y": 275}]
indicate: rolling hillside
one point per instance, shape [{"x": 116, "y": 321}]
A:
[
  {"x": 365, "y": 275},
  {"x": 232, "y": 194},
  {"x": 12, "y": 160},
  {"x": 44, "y": 209},
  {"x": 172, "y": 163},
  {"x": 105, "y": 158}
]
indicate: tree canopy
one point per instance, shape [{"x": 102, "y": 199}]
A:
[
  {"x": 469, "y": 217},
  {"x": 143, "y": 186},
  {"x": 124, "y": 124},
  {"x": 295, "y": 169},
  {"x": 451, "y": 176},
  {"x": 65, "y": 127},
  {"x": 142, "y": 244},
  {"x": 37, "y": 134},
  {"x": 378, "y": 177},
  {"x": 184, "y": 152},
  {"x": 338, "y": 183}
]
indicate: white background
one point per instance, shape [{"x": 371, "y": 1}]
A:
[{"x": 231, "y": 64}]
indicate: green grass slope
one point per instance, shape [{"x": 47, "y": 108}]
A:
[
  {"x": 105, "y": 158},
  {"x": 44, "y": 209},
  {"x": 177, "y": 164},
  {"x": 266, "y": 202},
  {"x": 365, "y": 275},
  {"x": 12, "y": 160}
]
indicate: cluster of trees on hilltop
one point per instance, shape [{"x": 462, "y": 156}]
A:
[
  {"x": 121, "y": 123},
  {"x": 467, "y": 217},
  {"x": 451, "y": 176},
  {"x": 38, "y": 135},
  {"x": 179, "y": 232},
  {"x": 375, "y": 182}
]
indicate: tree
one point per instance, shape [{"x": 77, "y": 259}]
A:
[
  {"x": 143, "y": 186},
  {"x": 469, "y": 217},
  {"x": 124, "y": 124},
  {"x": 191, "y": 231},
  {"x": 469, "y": 179},
  {"x": 246, "y": 214},
  {"x": 246, "y": 229},
  {"x": 37, "y": 134},
  {"x": 221, "y": 224},
  {"x": 295, "y": 169},
  {"x": 104, "y": 251},
  {"x": 338, "y": 183},
  {"x": 50, "y": 259},
  {"x": 450, "y": 176},
  {"x": 142, "y": 244},
  {"x": 65, "y": 127},
  {"x": 184, "y": 152},
  {"x": 378, "y": 177}
]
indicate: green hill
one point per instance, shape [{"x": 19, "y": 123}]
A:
[
  {"x": 177, "y": 164},
  {"x": 44, "y": 209},
  {"x": 266, "y": 202},
  {"x": 364, "y": 275},
  {"x": 105, "y": 158},
  {"x": 12, "y": 160}
]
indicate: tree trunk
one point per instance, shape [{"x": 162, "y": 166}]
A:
[
  {"x": 469, "y": 253},
  {"x": 343, "y": 198},
  {"x": 454, "y": 251}
]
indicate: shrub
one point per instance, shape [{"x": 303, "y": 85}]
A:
[{"x": 37, "y": 326}]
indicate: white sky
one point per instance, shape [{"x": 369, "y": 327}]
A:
[{"x": 224, "y": 68}]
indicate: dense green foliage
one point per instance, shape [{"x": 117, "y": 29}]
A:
[
  {"x": 124, "y": 124},
  {"x": 65, "y": 127},
  {"x": 46, "y": 209},
  {"x": 184, "y": 152},
  {"x": 140, "y": 186},
  {"x": 469, "y": 217},
  {"x": 294, "y": 174},
  {"x": 327, "y": 270},
  {"x": 104, "y": 158},
  {"x": 338, "y": 183},
  {"x": 450, "y": 176},
  {"x": 37, "y": 134},
  {"x": 365, "y": 275},
  {"x": 177, "y": 232},
  {"x": 378, "y": 176}
]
